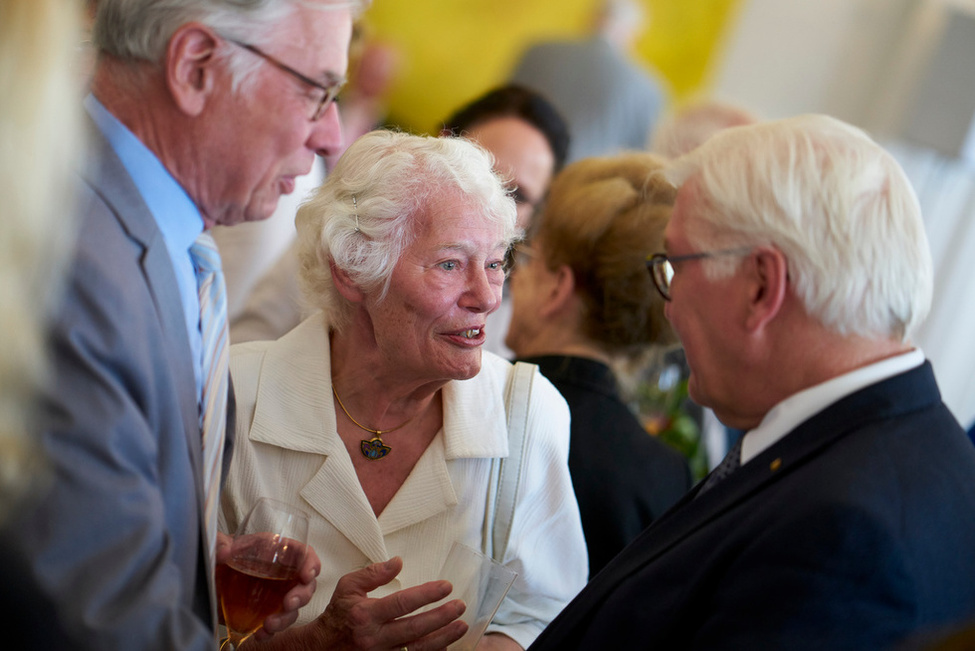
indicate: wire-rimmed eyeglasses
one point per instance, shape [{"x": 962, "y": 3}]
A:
[
  {"x": 518, "y": 255},
  {"x": 661, "y": 266},
  {"x": 329, "y": 91}
]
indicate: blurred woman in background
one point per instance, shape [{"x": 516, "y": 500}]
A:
[{"x": 582, "y": 301}]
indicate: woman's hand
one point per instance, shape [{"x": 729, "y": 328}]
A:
[{"x": 354, "y": 621}]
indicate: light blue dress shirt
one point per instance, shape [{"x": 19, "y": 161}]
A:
[{"x": 176, "y": 215}]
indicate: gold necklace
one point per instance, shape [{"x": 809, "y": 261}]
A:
[{"x": 374, "y": 448}]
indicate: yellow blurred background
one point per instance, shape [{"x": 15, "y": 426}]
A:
[{"x": 454, "y": 50}]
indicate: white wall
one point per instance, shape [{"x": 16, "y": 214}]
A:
[
  {"x": 825, "y": 56},
  {"x": 861, "y": 60}
]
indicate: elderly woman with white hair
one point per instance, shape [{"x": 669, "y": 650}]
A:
[{"x": 381, "y": 416}]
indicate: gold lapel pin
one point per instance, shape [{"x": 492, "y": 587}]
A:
[{"x": 775, "y": 465}]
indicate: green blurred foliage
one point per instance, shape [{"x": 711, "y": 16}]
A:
[{"x": 664, "y": 415}]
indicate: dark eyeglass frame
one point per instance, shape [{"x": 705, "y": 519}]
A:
[
  {"x": 331, "y": 90},
  {"x": 518, "y": 255},
  {"x": 661, "y": 266},
  {"x": 521, "y": 198}
]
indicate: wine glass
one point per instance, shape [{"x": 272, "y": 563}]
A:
[{"x": 266, "y": 556}]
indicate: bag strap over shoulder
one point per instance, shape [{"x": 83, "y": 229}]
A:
[{"x": 508, "y": 471}]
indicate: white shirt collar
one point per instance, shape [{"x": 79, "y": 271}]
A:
[{"x": 797, "y": 408}]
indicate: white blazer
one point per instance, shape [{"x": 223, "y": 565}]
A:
[{"x": 288, "y": 448}]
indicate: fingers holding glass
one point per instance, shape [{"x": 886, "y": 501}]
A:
[{"x": 264, "y": 564}]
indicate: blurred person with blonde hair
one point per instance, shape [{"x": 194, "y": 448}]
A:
[
  {"x": 40, "y": 140},
  {"x": 583, "y": 303},
  {"x": 37, "y": 117},
  {"x": 200, "y": 112}
]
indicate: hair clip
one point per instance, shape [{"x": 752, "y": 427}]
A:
[{"x": 355, "y": 209}]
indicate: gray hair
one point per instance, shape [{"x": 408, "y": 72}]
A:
[
  {"x": 139, "y": 30},
  {"x": 834, "y": 202},
  {"x": 692, "y": 124},
  {"x": 362, "y": 218}
]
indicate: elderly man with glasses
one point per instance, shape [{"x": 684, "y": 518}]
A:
[
  {"x": 796, "y": 269},
  {"x": 200, "y": 113}
]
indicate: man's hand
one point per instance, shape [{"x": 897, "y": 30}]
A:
[
  {"x": 297, "y": 597},
  {"x": 354, "y": 621}
]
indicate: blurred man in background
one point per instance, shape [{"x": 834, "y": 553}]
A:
[{"x": 610, "y": 102}]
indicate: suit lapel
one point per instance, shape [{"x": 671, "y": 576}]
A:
[
  {"x": 112, "y": 182},
  {"x": 292, "y": 411},
  {"x": 909, "y": 391},
  {"x": 336, "y": 494},
  {"x": 426, "y": 492},
  {"x": 109, "y": 177}
]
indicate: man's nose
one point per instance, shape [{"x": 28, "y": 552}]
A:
[{"x": 326, "y": 137}]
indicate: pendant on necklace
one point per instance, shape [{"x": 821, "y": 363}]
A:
[{"x": 374, "y": 448}]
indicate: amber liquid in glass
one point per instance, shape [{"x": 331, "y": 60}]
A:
[{"x": 250, "y": 590}]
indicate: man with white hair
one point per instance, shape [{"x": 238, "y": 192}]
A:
[
  {"x": 796, "y": 269},
  {"x": 610, "y": 102},
  {"x": 200, "y": 113}
]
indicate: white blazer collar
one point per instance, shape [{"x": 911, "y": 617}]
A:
[{"x": 293, "y": 410}]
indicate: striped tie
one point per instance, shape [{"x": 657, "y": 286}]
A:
[
  {"x": 728, "y": 465},
  {"x": 213, "y": 416}
]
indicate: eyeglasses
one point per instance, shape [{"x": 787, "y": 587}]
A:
[
  {"x": 521, "y": 198},
  {"x": 329, "y": 92},
  {"x": 661, "y": 266},
  {"x": 518, "y": 256}
]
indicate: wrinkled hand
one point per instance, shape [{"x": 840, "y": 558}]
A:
[{"x": 353, "y": 621}]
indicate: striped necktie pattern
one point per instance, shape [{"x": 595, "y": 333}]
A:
[
  {"x": 213, "y": 413},
  {"x": 728, "y": 465}
]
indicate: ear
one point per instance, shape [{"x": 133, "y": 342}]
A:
[
  {"x": 769, "y": 282},
  {"x": 560, "y": 291},
  {"x": 345, "y": 285},
  {"x": 190, "y": 66}
]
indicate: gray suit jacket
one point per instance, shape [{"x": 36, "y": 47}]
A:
[{"x": 118, "y": 539}]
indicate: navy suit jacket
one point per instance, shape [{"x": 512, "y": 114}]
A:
[
  {"x": 623, "y": 477},
  {"x": 118, "y": 540},
  {"x": 854, "y": 531}
]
